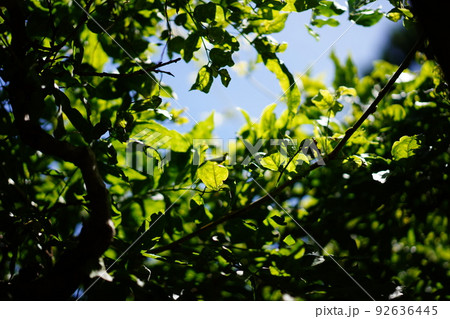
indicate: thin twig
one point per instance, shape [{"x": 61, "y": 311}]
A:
[
  {"x": 373, "y": 107},
  {"x": 162, "y": 190},
  {"x": 169, "y": 30},
  {"x": 153, "y": 68}
]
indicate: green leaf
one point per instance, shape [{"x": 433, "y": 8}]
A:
[
  {"x": 100, "y": 17},
  {"x": 366, "y": 17},
  {"x": 181, "y": 19},
  {"x": 274, "y": 271},
  {"x": 329, "y": 9},
  {"x": 228, "y": 42},
  {"x": 157, "y": 136},
  {"x": 216, "y": 35},
  {"x": 203, "y": 129},
  {"x": 76, "y": 118},
  {"x": 287, "y": 83},
  {"x": 321, "y": 22},
  {"x": 267, "y": 50},
  {"x": 406, "y": 12},
  {"x": 405, "y": 147},
  {"x": 143, "y": 105},
  {"x": 273, "y": 162},
  {"x": 395, "y": 111},
  {"x": 312, "y": 32},
  {"x": 357, "y": 4},
  {"x": 93, "y": 51},
  {"x": 266, "y": 127},
  {"x": 327, "y": 101},
  {"x": 224, "y": 77},
  {"x": 204, "y": 80},
  {"x": 152, "y": 234},
  {"x": 289, "y": 240},
  {"x": 250, "y": 225},
  {"x": 354, "y": 161},
  {"x": 203, "y": 12},
  {"x": 197, "y": 209},
  {"x": 343, "y": 90},
  {"x": 191, "y": 45},
  {"x": 221, "y": 58},
  {"x": 176, "y": 44},
  {"x": 247, "y": 116},
  {"x": 274, "y": 25},
  {"x": 394, "y": 15},
  {"x": 346, "y": 75},
  {"x": 300, "y": 157},
  {"x": 324, "y": 100},
  {"x": 300, "y": 5},
  {"x": 212, "y": 175}
]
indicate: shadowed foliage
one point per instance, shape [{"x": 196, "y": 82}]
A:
[{"x": 344, "y": 195}]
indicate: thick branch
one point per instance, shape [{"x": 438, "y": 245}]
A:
[
  {"x": 27, "y": 100},
  {"x": 333, "y": 155}
]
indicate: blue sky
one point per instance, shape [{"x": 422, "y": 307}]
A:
[{"x": 253, "y": 93}]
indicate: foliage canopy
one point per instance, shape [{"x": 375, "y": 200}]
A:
[{"x": 83, "y": 149}]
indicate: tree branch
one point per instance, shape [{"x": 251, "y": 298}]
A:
[
  {"x": 27, "y": 100},
  {"x": 373, "y": 106},
  {"x": 153, "y": 68},
  {"x": 332, "y": 156}
]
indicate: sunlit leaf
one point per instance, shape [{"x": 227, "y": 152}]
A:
[
  {"x": 289, "y": 240},
  {"x": 324, "y": 100},
  {"x": 93, "y": 51},
  {"x": 274, "y": 25},
  {"x": 157, "y": 136},
  {"x": 322, "y": 22},
  {"x": 273, "y": 161},
  {"x": 300, "y": 5},
  {"x": 212, "y": 175},
  {"x": 366, "y": 17},
  {"x": 394, "y": 15},
  {"x": 405, "y": 147},
  {"x": 204, "y": 80},
  {"x": 287, "y": 83},
  {"x": 267, "y": 122},
  {"x": 343, "y": 90}
]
